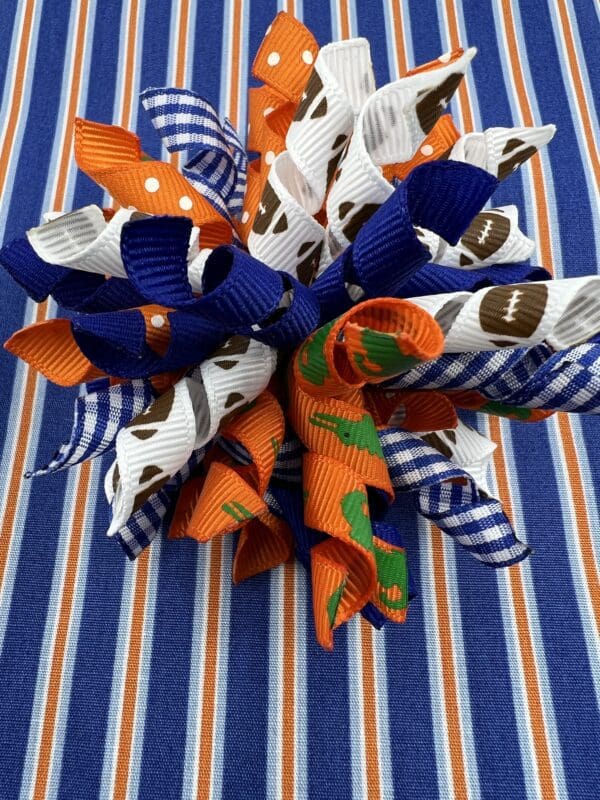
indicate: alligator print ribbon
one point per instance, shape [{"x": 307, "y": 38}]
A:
[{"x": 278, "y": 339}]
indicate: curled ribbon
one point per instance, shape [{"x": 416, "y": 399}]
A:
[{"x": 221, "y": 300}]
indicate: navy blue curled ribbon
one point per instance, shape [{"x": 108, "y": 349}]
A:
[
  {"x": 241, "y": 295},
  {"x": 442, "y": 196}
]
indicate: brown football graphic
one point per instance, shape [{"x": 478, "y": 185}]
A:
[
  {"x": 306, "y": 268},
  {"x": 313, "y": 87},
  {"x": 513, "y": 310},
  {"x": 486, "y": 234},
  {"x": 339, "y": 151},
  {"x": 157, "y": 412},
  {"x": 507, "y": 167},
  {"x": 433, "y": 101},
  {"x": 267, "y": 208},
  {"x": 436, "y": 441},
  {"x": 355, "y": 223}
]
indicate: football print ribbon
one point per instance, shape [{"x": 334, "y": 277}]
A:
[{"x": 280, "y": 344}]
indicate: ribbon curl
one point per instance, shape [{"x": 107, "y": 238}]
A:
[{"x": 244, "y": 332}]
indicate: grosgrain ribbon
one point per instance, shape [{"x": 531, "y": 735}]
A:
[
  {"x": 180, "y": 333},
  {"x": 327, "y": 409}
]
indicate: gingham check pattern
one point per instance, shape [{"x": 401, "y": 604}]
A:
[
  {"x": 217, "y": 160},
  {"x": 99, "y": 414}
]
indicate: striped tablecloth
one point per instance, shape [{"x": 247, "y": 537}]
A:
[{"x": 158, "y": 679}]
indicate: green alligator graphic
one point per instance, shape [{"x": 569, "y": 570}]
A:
[
  {"x": 333, "y": 603},
  {"x": 502, "y": 410},
  {"x": 392, "y": 573},
  {"x": 311, "y": 359},
  {"x": 353, "y": 512},
  {"x": 383, "y": 356},
  {"x": 236, "y": 510},
  {"x": 361, "y": 434}
]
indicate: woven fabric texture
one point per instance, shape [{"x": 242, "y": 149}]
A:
[{"x": 158, "y": 679}]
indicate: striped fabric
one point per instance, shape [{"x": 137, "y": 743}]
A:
[{"x": 158, "y": 678}]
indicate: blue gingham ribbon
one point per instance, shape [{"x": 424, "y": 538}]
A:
[
  {"x": 217, "y": 162},
  {"x": 442, "y": 492},
  {"x": 533, "y": 378},
  {"x": 99, "y": 415}
]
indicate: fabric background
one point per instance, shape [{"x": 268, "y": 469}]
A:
[{"x": 159, "y": 679}]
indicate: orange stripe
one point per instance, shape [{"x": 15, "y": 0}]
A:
[
  {"x": 582, "y": 104},
  {"x": 370, "y": 712},
  {"x": 457, "y": 762},
  {"x": 344, "y": 19},
  {"x": 22, "y": 448},
  {"x": 66, "y": 155},
  {"x": 534, "y": 700},
  {"x": 211, "y": 638},
  {"x": 398, "y": 25},
  {"x": 463, "y": 93},
  {"x": 140, "y": 580},
  {"x": 526, "y": 649},
  {"x": 132, "y": 670},
  {"x": 579, "y": 503},
  {"x": 129, "y": 64},
  {"x": 536, "y": 164},
  {"x": 17, "y": 96},
  {"x": 62, "y": 631},
  {"x": 211, "y": 644},
  {"x": 288, "y": 679},
  {"x": 180, "y": 61},
  {"x": 235, "y": 62},
  {"x": 564, "y": 424},
  {"x": 182, "y": 44}
]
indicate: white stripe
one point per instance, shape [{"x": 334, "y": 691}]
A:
[
  {"x": 117, "y": 691},
  {"x": 576, "y": 114},
  {"x": 275, "y": 693},
  {"x": 222, "y": 672},
  {"x": 434, "y": 661},
  {"x": 143, "y": 677},
  {"x": 80, "y": 586},
  {"x": 42, "y": 685},
  {"x": 8, "y": 96},
  {"x": 460, "y": 669},
  {"x": 301, "y": 610},
  {"x": 382, "y": 706},
  {"x": 356, "y": 710},
  {"x": 196, "y": 674}
]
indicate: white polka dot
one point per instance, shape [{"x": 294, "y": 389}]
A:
[
  {"x": 151, "y": 185},
  {"x": 267, "y": 111},
  {"x": 245, "y": 217},
  {"x": 268, "y": 31},
  {"x": 427, "y": 150},
  {"x": 273, "y": 58},
  {"x": 185, "y": 202},
  {"x": 307, "y": 57},
  {"x": 445, "y": 57},
  {"x": 269, "y": 156},
  {"x": 157, "y": 321}
]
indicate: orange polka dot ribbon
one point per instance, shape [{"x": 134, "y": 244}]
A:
[{"x": 277, "y": 339}]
